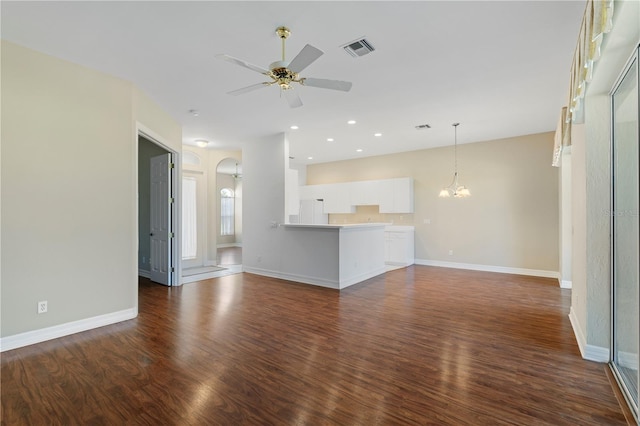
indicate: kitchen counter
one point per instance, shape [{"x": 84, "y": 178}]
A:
[
  {"x": 337, "y": 225},
  {"x": 332, "y": 255}
]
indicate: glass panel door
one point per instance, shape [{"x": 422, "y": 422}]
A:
[{"x": 625, "y": 232}]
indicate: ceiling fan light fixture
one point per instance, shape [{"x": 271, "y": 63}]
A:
[{"x": 284, "y": 73}]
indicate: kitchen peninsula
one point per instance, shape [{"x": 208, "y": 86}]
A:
[{"x": 334, "y": 256}]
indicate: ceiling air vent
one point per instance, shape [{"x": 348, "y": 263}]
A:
[{"x": 358, "y": 47}]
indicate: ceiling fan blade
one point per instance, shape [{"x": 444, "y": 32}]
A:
[
  {"x": 306, "y": 57},
  {"x": 323, "y": 83},
  {"x": 248, "y": 89},
  {"x": 292, "y": 98},
  {"x": 242, "y": 63}
]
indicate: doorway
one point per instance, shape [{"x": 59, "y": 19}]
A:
[
  {"x": 228, "y": 195},
  {"x": 157, "y": 259}
]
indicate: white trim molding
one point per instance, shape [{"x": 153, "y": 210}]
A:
[
  {"x": 144, "y": 273},
  {"x": 490, "y": 268},
  {"x": 565, "y": 283},
  {"x": 226, "y": 245},
  {"x": 56, "y": 331},
  {"x": 339, "y": 284},
  {"x": 589, "y": 352},
  {"x": 628, "y": 360}
]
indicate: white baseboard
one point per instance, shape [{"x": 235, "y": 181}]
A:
[
  {"x": 590, "y": 352},
  {"x": 229, "y": 270},
  {"x": 304, "y": 279},
  {"x": 596, "y": 353},
  {"x": 489, "y": 268},
  {"x": 628, "y": 360},
  {"x": 144, "y": 273},
  {"x": 322, "y": 282},
  {"x": 565, "y": 283},
  {"x": 225, "y": 245},
  {"x": 49, "y": 333}
]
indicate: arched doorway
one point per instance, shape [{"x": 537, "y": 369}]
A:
[{"x": 228, "y": 196}]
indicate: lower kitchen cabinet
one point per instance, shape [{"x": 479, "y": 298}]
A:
[{"x": 399, "y": 245}]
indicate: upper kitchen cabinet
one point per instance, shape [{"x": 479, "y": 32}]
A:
[
  {"x": 337, "y": 199},
  {"x": 397, "y": 195},
  {"x": 391, "y": 195},
  {"x": 365, "y": 193},
  {"x": 402, "y": 195}
]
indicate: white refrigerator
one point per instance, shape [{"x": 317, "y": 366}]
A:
[{"x": 312, "y": 212}]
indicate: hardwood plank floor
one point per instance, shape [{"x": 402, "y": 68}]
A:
[{"x": 419, "y": 345}]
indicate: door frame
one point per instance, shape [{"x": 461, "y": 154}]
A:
[
  {"x": 632, "y": 404},
  {"x": 175, "y": 267}
]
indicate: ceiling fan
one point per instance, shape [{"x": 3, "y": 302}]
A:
[{"x": 284, "y": 73}]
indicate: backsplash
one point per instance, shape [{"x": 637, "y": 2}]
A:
[{"x": 365, "y": 214}]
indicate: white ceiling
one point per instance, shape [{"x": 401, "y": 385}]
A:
[{"x": 501, "y": 68}]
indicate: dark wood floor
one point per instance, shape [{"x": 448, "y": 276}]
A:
[{"x": 420, "y": 345}]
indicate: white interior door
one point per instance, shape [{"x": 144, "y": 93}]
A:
[{"x": 161, "y": 208}]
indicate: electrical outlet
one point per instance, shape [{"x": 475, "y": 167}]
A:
[
  {"x": 450, "y": 252},
  {"x": 42, "y": 307}
]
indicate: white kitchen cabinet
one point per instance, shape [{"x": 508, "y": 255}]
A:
[
  {"x": 364, "y": 193},
  {"x": 385, "y": 190},
  {"x": 391, "y": 195},
  {"x": 403, "y": 195},
  {"x": 337, "y": 199},
  {"x": 396, "y": 195},
  {"x": 399, "y": 245},
  {"x": 313, "y": 192}
]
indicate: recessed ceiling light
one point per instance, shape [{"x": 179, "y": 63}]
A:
[
  {"x": 358, "y": 150},
  {"x": 329, "y": 139},
  {"x": 309, "y": 158},
  {"x": 202, "y": 143},
  {"x": 351, "y": 122},
  {"x": 294, "y": 127},
  {"x": 377, "y": 135},
  {"x": 194, "y": 112}
]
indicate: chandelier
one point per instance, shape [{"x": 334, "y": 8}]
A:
[{"x": 455, "y": 189}]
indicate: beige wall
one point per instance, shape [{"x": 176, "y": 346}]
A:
[
  {"x": 511, "y": 219},
  {"x": 69, "y": 181}
]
